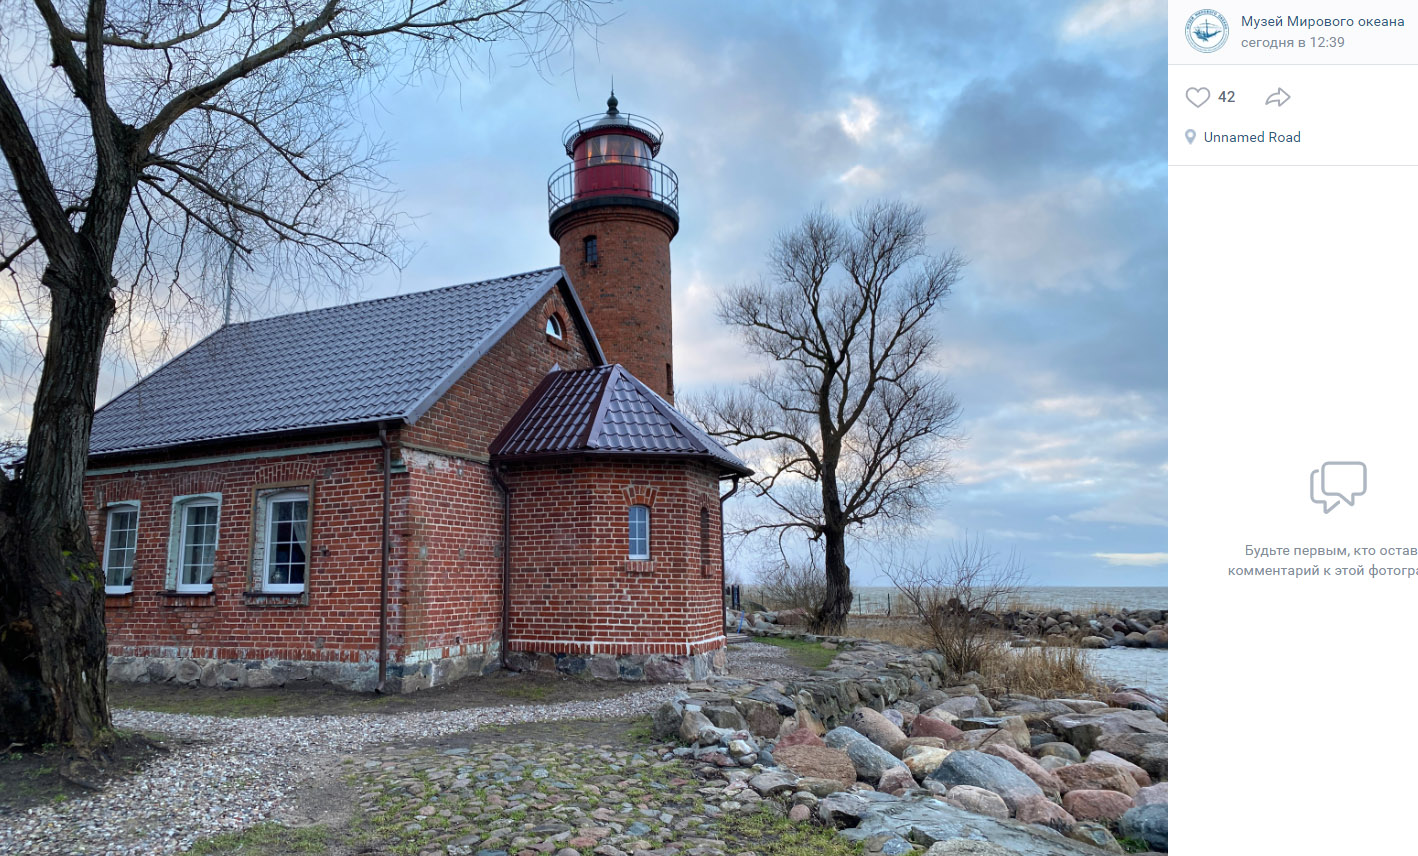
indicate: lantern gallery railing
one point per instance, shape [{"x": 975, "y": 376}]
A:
[
  {"x": 645, "y": 178},
  {"x": 604, "y": 121}
]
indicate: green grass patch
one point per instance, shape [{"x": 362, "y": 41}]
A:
[
  {"x": 770, "y": 834},
  {"x": 641, "y": 730},
  {"x": 266, "y": 839},
  {"x": 809, "y": 655},
  {"x": 1133, "y": 845}
]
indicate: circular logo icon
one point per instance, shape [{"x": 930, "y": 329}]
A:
[{"x": 1207, "y": 30}]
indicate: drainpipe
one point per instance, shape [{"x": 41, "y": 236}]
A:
[
  {"x": 506, "y": 560},
  {"x": 723, "y": 560},
  {"x": 384, "y": 566}
]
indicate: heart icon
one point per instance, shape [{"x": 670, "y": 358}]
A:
[{"x": 1198, "y": 95}]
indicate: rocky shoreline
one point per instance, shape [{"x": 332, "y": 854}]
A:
[
  {"x": 886, "y": 747},
  {"x": 1126, "y": 628}
]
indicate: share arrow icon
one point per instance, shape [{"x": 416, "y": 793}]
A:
[{"x": 1278, "y": 97}]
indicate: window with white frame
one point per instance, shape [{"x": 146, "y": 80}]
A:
[
  {"x": 553, "y": 327},
  {"x": 639, "y": 532},
  {"x": 192, "y": 557},
  {"x": 120, "y": 544},
  {"x": 286, "y": 551}
]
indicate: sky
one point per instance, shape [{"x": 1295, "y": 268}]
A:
[{"x": 1031, "y": 135}]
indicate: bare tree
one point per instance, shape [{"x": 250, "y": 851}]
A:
[
  {"x": 147, "y": 147},
  {"x": 958, "y": 597},
  {"x": 792, "y": 584},
  {"x": 853, "y": 422}
]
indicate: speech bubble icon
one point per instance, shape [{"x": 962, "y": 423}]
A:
[{"x": 1338, "y": 481}]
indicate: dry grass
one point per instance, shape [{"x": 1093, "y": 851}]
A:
[
  {"x": 906, "y": 632},
  {"x": 1056, "y": 671}
]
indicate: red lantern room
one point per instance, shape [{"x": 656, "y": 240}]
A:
[{"x": 613, "y": 155}]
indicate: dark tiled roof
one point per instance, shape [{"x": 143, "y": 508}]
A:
[
  {"x": 604, "y": 410},
  {"x": 378, "y": 360}
]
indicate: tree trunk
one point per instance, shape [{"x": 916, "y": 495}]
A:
[
  {"x": 53, "y": 645},
  {"x": 837, "y": 603}
]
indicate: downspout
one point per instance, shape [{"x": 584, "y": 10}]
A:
[
  {"x": 723, "y": 559},
  {"x": 506, "y": 560},
  {"x": 384, "y": 566}
]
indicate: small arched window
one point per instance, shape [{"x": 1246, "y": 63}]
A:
[
  {"x": 592, "y": 253},
  {"x": 553, "y": 327},
  {"x": 639, "y": 524}
]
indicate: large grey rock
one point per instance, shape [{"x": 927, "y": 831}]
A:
[
  {"x": 927, "y": 821},
  {"x": 963, "y": 706},
  {"x": 1084, "y": 730},
  {"x": 1153, "y": 795},
  {"x": 726, "y": 716},
  {"x": 1047, "y": 781},
  {"x": 695, "y": 727},
  {"x": 869, "y": 759},
  {"x": 967, "y": 847},
  {"x": 1099, "y": 756},
  {"x": 773, "y": 782},
  {"x": 1097, "y": 835},
  {"x": 968, "y": 767},
  {"x": 1096, "y": 777},
  {"x": 785, "y": 705},
  {"x": 667, "y": 718},
  {"x": 1148, "y": 823}
]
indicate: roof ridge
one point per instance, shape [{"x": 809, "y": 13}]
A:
[
  {"x": 603, "y": 400},
  {"x": 540, "y": 272}
]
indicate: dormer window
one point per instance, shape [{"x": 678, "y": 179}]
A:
[{"x": 553, "y": 327}]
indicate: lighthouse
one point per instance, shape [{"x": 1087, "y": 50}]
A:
[{"x": 614, "y": 210}]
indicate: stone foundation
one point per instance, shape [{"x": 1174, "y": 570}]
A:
[
  {"x": 403, "y": 677},
  {"x": 655, "y": 668}
]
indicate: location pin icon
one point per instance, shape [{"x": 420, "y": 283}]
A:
[{"x": 1191, "y": 136}]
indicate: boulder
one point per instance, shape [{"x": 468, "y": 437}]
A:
[
  {"x": 894, "y": 717},
  {"x": 931, "y": 742},
  {"x": 1093, "y": 642},
  {"x": 869, "y": 759},
  {"x": 1148, "y": 751},
  {"x": 1039, "y": 810},
  {"x": 817, "y": 762},
  {"x": 927, "y": 725},
  {"x": 1153, "y": 795},
  {"x": 819, "y": 787},
  {"x": 1137, "y": 700},
  {"x": 988, "y": 772},
  {"x": 878, "y": 729},
  {"x": 1148, "y": 823},
  {"x": 968, "y": 847},
  {"x": 1156, "y": 637},
  {"x": 1135, "y": 640},
  {"x": 727, "y": 716},
  {"x": 1047, "y": 782},
  {"x": 773, "y": 782},
  {"x": 1096, "y": 777},
  {"x": 1098, "y": 756},
  {"x": 666, "y": 720},
  {"x": 1105, "y": 806},
  {"x": 923, "y": 761},
  {"x": 800, "y": 737},
  {"x": 1084, "y": 730},
  {"x": 1012, "y": 725},
  {"x": 792, "y": 617},
  {"x": 978, "y": 800},
  {"x": 978, "y": 739},
  {"x": 1097, "y": 835},
  {"x": 1062, "y": 750},
  {"x": 965, "y": 705},
  {"x": 1053, "y": 762},
  {"x": 895, "y": 780},
  {"x": 695, "y": 727}
]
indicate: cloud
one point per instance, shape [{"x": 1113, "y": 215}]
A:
[
  {"x": 1145, "y": 560},
  {"x": 1112, "y": 17},
  {"x": 859, "y": 119},
  {"x": 1119, "y": 513}
]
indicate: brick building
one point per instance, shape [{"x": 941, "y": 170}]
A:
[{"x": 397, "y": 493}]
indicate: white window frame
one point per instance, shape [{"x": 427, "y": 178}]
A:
[
  {"x": 554, "y": 329},
  {"x": 116, "y": 508},
  {"x": 630, "y": 531},
  {"x": 177, "y": 544},
  {"x": 267, "y": 536}
]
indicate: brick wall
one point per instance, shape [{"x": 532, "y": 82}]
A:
[
  {"x": 573, "y": 588},
  {"x": 627, "y": 292},
  {"x": 337, "y": 621}
]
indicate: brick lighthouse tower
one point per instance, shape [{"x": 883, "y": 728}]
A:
[{"x": 614, "y": 210}]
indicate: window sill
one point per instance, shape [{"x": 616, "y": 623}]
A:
[
  {"x": 560, "y": 343},
  {"x": 118, "y": 599},
  {"x": 188, "y": 598},
  {"x": 276, "y": 600},
  {"x": 639, "y": 567}
]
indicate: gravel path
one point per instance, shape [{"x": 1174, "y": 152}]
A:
[
  {"x": 239, "y": 771},
  {"x": 235, "y": 772}
]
